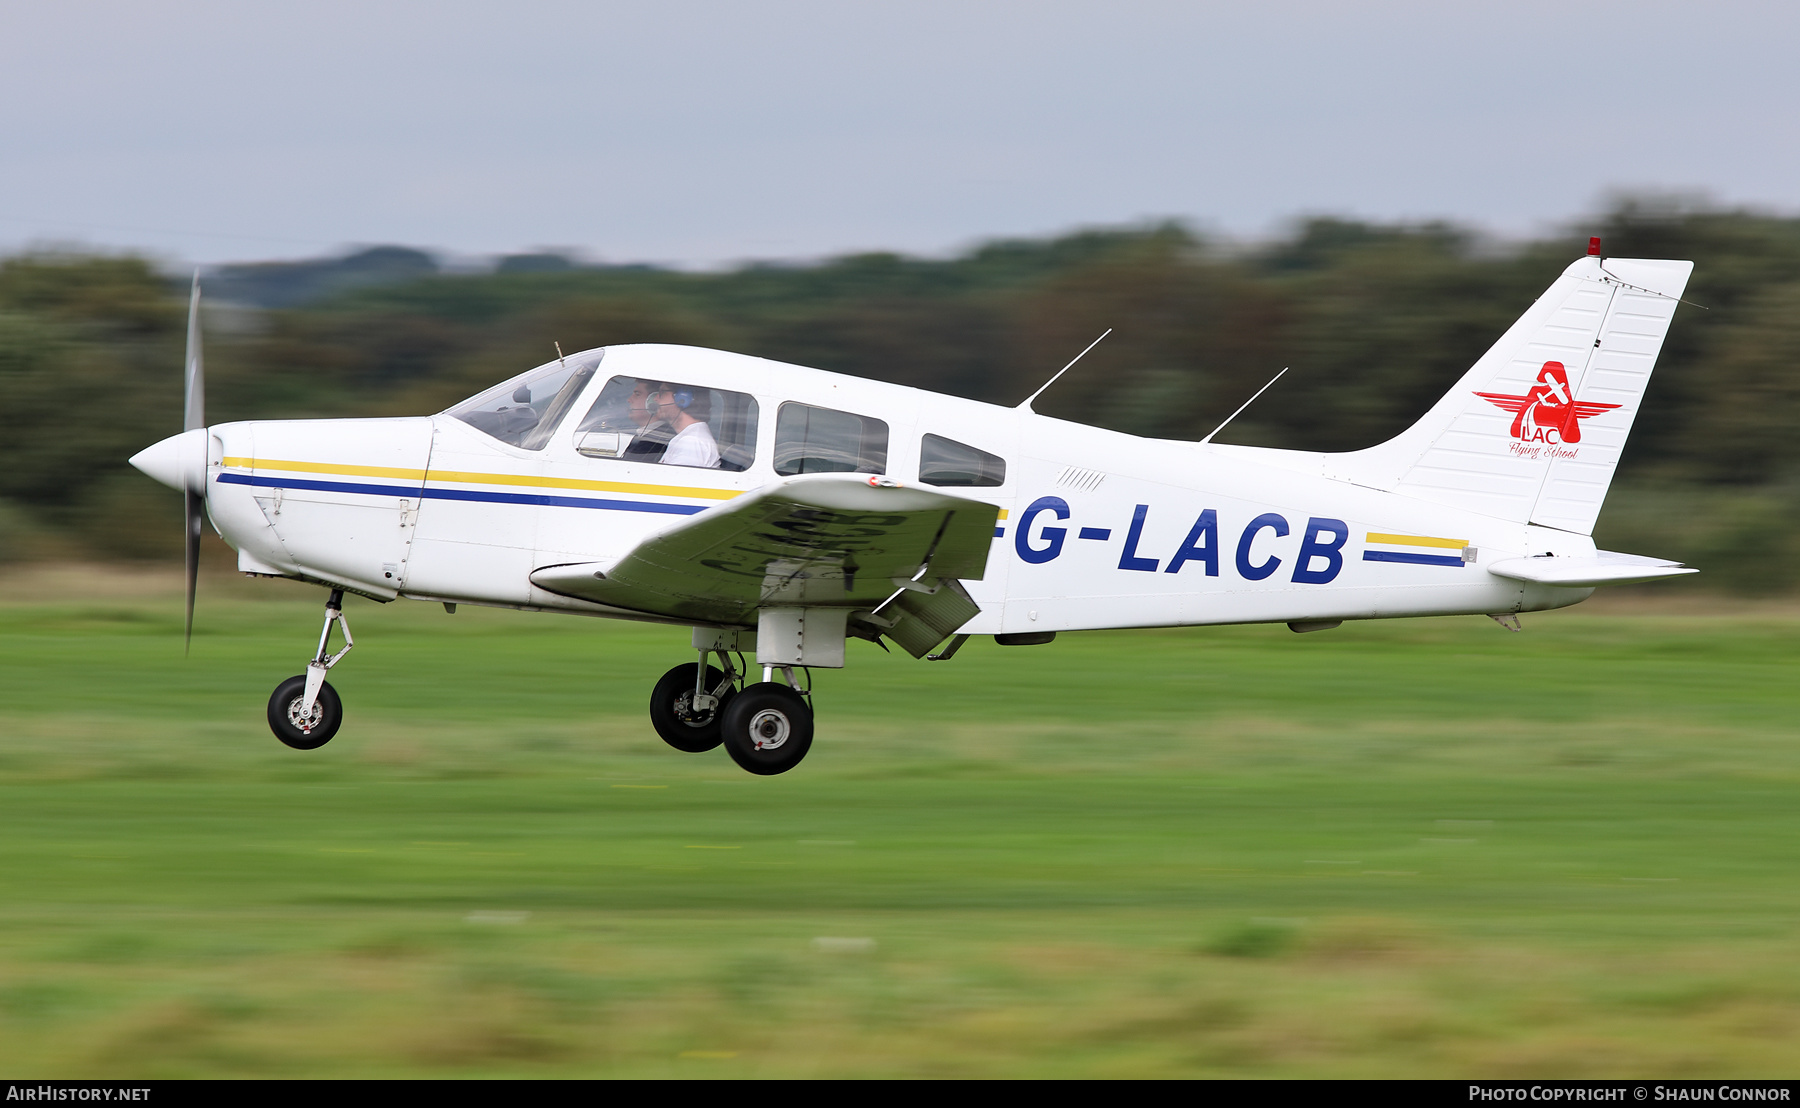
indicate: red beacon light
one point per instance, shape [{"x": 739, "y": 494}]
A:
[{"x": 1594, "y": 246}]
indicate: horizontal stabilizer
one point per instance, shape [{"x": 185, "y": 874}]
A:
[{"x": 1604, "y": 568}]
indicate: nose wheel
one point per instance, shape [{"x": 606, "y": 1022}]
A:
[{"x": 300, "y": 725}]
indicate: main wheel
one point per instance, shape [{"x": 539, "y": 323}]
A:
[
  {"x": 299, "y": 730},
  {"x": 768, "y": 728},
  {"x": 669, "y": 714}
]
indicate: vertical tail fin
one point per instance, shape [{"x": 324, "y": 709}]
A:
[{"x": 1533, "y": 432}]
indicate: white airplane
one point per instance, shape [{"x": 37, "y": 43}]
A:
[{"x": 779, "y": 511}]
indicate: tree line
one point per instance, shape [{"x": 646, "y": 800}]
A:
[{"x": 1375, "y": 320}]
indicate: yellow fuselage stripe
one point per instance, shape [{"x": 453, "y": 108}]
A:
[
  {"x": 464, "y": 478},
  {"x": 327, "y": 467},
  {"x": 1416, "y": 540}
]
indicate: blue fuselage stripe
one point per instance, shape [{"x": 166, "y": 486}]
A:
[
  {"x": 320, "y": 486},
  {"x": 463, "y": 494},
  {"x": 1411, "y": 559}
]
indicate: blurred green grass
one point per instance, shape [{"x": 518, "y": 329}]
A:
[{"x": 1415, "y": 848}]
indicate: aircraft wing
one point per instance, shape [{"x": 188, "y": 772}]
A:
[
  {"x": 1604, "y": 568},
  {"x": 820, "y": 540}
]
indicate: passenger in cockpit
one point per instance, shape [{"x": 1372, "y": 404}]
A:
[{"x": 687, "y": 409}]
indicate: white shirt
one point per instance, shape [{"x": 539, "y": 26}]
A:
[{"x": 693, "y": 446}]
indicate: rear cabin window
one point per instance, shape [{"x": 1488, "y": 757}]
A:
[
  {"x": 524, "y": 411},
  {"x": 948, "y": 463},
  {"x": 641, "y": 419},
  {"x": 823, "y": 440}
]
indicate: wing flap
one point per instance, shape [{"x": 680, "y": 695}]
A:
[{"x": 919, "y": 621}]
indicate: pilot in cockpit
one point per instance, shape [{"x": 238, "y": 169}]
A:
[
  {"x": 686, "y": 410},
  {"x": 653, "y": 435}
]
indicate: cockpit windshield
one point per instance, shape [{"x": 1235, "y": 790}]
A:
[{"x": 525, "y": 411}]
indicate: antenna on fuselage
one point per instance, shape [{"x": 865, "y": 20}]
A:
[
  {"x": 1025, "y": 404},
  {"x": 559, "y": 353},
  {"x": 1242, "y": 406}
]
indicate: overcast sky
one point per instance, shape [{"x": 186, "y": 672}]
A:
[{"x": 704, "y": 133}]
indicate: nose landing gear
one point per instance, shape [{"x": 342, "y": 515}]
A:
[{"x": 304, "y": 711}]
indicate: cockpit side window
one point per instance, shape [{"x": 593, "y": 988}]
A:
[
  {"x": 642, "y": 419},
  {"x": 951, "y": 464},
  {"x": 525, "y": 411},
  {"x": 823, "y": 440}
]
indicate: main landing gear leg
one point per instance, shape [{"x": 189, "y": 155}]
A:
[
  {"x": 305, "y": 711},
  {"x": 766, "y": 727},
  {"x": 690, "y": 700}
]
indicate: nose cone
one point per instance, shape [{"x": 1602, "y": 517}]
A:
[{"x": 178, "y": 461}]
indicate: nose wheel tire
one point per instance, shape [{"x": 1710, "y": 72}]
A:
[
  {"x": 303, "y": 730},
  {"x": 671, "y": 714},
  {"x": 768, "y": 728}
]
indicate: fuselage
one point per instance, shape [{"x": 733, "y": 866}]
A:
[{"x": 1097, "y": 528}]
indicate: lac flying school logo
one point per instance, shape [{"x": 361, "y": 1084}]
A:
[{"x": 1549, "y": 414}]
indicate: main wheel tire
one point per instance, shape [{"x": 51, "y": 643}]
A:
[
  {"x": 310, "y": 732},
  {"x": 670, "y": 699},
  {"x": 768, "y": 728}
]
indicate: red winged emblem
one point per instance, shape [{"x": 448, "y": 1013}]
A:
[{"x": 1549, "y": 412}]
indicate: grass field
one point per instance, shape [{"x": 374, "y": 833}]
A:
[{"x": 1416, "y": 848}]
